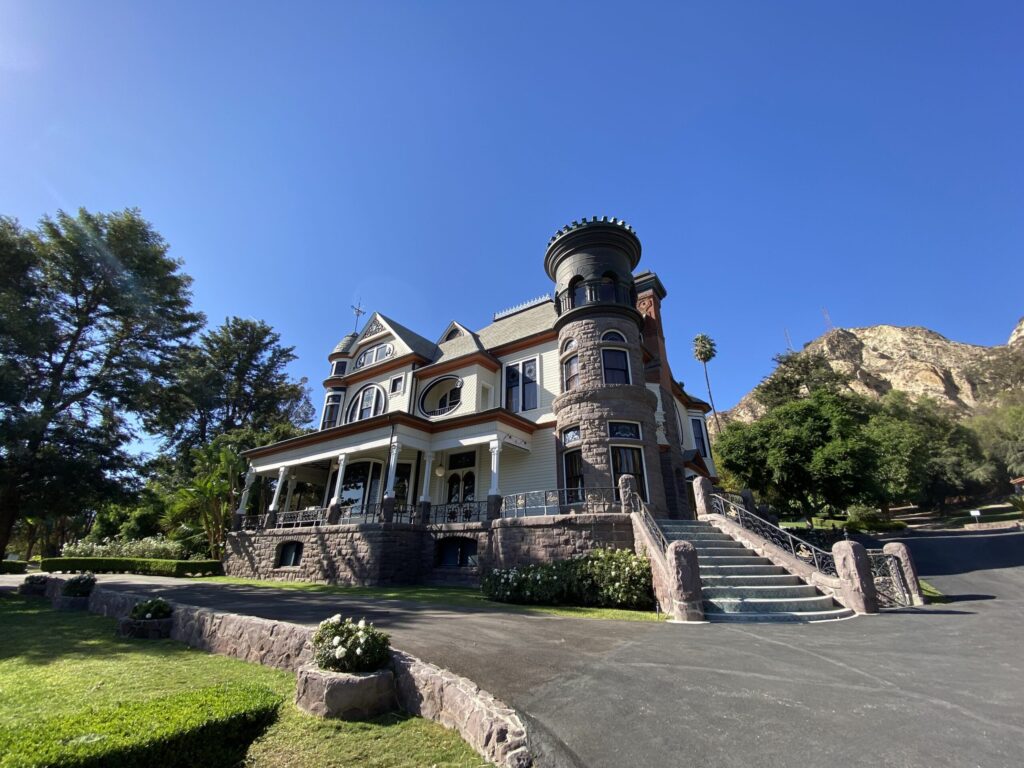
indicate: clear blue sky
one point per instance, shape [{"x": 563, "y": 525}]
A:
[{"x": 775, "y": 158}]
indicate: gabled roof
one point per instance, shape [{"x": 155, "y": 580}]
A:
[
  {"x": 521, "y": 325},
  {"x": 466, "y": 344},
  {"x": 411, "y": 339}
]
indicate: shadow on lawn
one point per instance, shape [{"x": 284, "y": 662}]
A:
[{"x": 58, "y": 636}]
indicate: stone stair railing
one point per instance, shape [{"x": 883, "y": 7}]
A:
[
  {"x": 675, "y": 572},
  {"x": 858, "y": 579}
]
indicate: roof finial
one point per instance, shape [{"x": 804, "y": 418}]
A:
[{"x": 358, "y": 311}]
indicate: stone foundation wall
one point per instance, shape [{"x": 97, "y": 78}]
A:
[
  {"x": 398, "y": 553},
  {"x": 533, "y": 540},
  {"x": 354, "y": 555}
]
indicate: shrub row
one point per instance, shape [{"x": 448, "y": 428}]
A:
[
  {"x": 13, "y": 566},
  {"x": 606, "y": 578},
  {"x": 144, "y": 566},
  {"x": 152, "y": 548},
  {"x": 208, "y": 726}
]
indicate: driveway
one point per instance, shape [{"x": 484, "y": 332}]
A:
[{"x": 937, "y": 686}]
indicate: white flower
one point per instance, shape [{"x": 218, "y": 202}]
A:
[
  {"x": 362, "y": 624},
  {"x": 336, "y": 618},
  {"x": 149, "y": 615},
  {"x": 339, "y": 653},
  {"x": 359, "y": 651},
  {"x": 336, "y": 642}
]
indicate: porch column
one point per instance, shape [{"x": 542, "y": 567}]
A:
[
  {"x": 334, "y": 506},
  {"x": 493, "y": 494},
  {"x": 388, "y": 507},
  {"x": 291, "y": 491},
  {"x": 282, "y": 479},
  {"x": 428, "y": 467},
  {"x": 424, "y": 505},
  {"x": 243, "y": 504}
]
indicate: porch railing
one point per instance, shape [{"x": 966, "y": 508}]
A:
[
  {"x": 819, "y": 559},
  {"x": 458, "y": 512},
  {"x": 561, "y": 501},
  {"x": 302, "y": 518}
]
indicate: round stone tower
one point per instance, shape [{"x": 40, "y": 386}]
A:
[{"x": 605, "y": 412}]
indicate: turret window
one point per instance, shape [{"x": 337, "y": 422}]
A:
[
  {"x": 627, "y": 460},
  {"x": 368, "y": 402},
  {"x": 338, "y": 369},
  {"x": 616, "y": 366},
  {"x": 570, "y": 373},
  {"x": 626, "y": 429}
]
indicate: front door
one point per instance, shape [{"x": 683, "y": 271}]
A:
[{"x": 362, "y": 486}]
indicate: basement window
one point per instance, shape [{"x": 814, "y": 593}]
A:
[{"x": 290, "y": 554}]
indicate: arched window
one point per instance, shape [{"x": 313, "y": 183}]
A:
[
  {"x": 442, "y": 396},
  {"x": 569, "y": 345},
  {"x": 331, "y": 409},
  {"x": 375, "y": 355},
  {"x": 570, "y": 373},
  {"x": 578, "y": 292},
  {"x": 607, "y": 289},
  {"x": 614, "y": 337},
  {"x": 368, "y": 402}
]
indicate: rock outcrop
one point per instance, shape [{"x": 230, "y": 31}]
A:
[{"x": 915, "y": 360}]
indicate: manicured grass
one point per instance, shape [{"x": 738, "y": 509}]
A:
[
  {"x": 446, "y": 597},
  {"x": 819, "y": 523},
  {"x": 54, "y": 665},
  {"x": 994, "y": 513},
  {"x": 931, "y": 594}
]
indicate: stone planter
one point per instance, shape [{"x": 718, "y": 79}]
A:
[
  {"x": 144, "y": 629},
  {"x": 32, "y": 590},
  {"x": 65, "y": 603},
  {"x": 347, "y": 696}
]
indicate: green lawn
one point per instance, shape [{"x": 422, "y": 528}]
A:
[
  {"x": 450, "y": 597},
  {"x": 993, "y": 513},
  {"x": 55, "y": 664}
]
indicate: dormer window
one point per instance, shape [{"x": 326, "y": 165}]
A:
[
  {"x": 441, "y": 397},
  {"x": 339, "y": 367},
  {"x": 375, "y": 355}
]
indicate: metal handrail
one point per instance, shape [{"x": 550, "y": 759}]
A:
[
  {"x": 890, "y": 581},
  {"x": 301, "y": 517},
  {"x": 639, "y": 508},
  {"x": 561, "y": 501},
  {"x": 802, "y": 550}
]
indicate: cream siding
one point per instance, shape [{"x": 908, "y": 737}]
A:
[{"x": 533, "y": 471}]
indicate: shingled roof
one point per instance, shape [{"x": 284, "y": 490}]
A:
[{"x": 521, "y": 325}]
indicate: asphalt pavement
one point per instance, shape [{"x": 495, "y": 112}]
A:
[{"x": 936, "y": 686}]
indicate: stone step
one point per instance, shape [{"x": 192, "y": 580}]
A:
[
  {"x": 742, "y": 570},
  {"x": 754, "y": 590},
  {"x": 714, "y": 550},
  {"x": 749, "y": 558},
  {"x": 768, "y": 604},
  {"x": 697, "y": 536},
  {"x": 774, "y": 580},
  {"x": 789, "y": 616}
]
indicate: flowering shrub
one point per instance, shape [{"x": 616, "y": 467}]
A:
[
  {"x": 152, "y": 547},
  {"x": 79, "y": 586},
  {"x": 609, "y": 578},
  {"x": 157, "y": 608},
  {"x": 36, "y": 580},
  {"x": 347, "y": 646}
]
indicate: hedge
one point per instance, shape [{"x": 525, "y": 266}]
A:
[
  {"x": 207, "y": 726},
  {"x": 13, "y": 566},
  {"x": 144, "y": 566}
]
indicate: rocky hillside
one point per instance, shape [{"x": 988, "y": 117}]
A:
[{"x": 916, "y": 360}]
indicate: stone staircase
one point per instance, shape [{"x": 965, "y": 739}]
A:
[{"x": 738, "y": 585}]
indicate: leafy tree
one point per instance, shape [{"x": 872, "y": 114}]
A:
[
  {"x": 1000, "y": 431},
  {"x": 797, "y": 375},
  {"x": 804, "y": 456},
  {"x": 704, "y": 351},
  {"x": 234, "y": 379},
  {"x": 93, "y": 319},
  {"x": 209, "y": 499}
]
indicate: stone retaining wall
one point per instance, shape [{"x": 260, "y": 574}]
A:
[
  {"x": 491, "y": 727},
  {"x": 520, "y": 541}
]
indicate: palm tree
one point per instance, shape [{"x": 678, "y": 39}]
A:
[{"x": 704, "y": 351}]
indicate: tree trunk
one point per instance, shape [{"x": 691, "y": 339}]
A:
[{"x": 714, "y": 411}]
